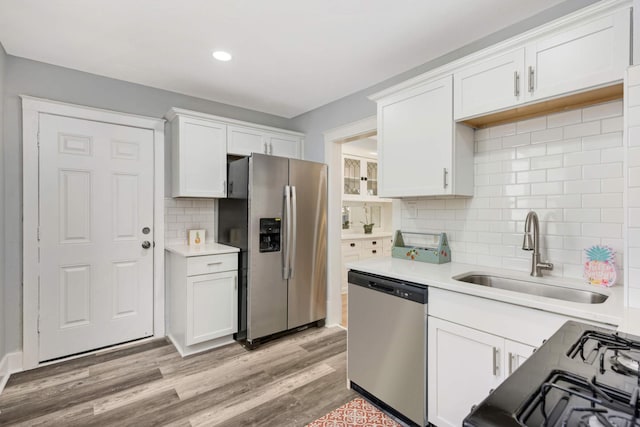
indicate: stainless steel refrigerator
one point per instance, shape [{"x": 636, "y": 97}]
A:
[{"x": 276, "y": 213}]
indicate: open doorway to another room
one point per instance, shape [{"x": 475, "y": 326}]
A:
[{"x": 365, "y": 217}]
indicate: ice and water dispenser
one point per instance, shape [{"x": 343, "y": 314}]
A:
[{"x": 270, "y": 234}]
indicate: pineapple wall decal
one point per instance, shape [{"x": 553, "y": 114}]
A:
[{"x": 600, "y": 267}]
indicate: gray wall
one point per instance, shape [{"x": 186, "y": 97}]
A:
[
  {"x": 3, "y": 320},
  {"x": 26, "y": 77},
  {"x": 356, "y": 106}
]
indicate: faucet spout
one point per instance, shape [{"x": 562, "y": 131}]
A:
[{"x": 532, "y": 226}]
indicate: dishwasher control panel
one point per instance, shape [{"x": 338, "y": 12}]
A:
[{"x": 406, "y": 290}]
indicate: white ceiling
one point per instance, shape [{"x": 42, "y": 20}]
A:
[{"x": 290, "y": 56}]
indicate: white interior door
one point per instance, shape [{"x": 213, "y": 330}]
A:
[{"x": 95, "y": 201}]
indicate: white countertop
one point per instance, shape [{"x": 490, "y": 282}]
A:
[
  {"x": 612, "y": 311},
  {"x": 208, "y": 249},
  {"x": 375, "y": 235}
]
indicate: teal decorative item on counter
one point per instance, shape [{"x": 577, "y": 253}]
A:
[{"x": 425, "y": 247}]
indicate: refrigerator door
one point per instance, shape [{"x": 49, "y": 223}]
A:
[
  {"x": 308, "y": 273},
  {"x": 266, "y": 287}
]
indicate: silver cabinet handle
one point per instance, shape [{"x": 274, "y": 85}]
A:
[
  {"x": 265, "y": 148},
  {"x": 224, "y": 187},
  {"x": 516, "y": 84},
  {"x": 214, "y": 263},
  {"x": 531, "y": 79},
  {"x": 444, "y": 177},
  {"x": 270, "y": 148},
  {"x": 496, "y": 352}
]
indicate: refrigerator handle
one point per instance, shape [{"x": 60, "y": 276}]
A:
[
  {"x": 287, "y": 220},
  {"x": 294, "y": 232}
]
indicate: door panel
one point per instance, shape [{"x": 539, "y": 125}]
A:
[
  {"x": 267, "y": 288},
  {"x": 96, "y": 195},
  {"x": 307, "y": 286}
]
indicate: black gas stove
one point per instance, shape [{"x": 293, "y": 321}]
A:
[{"x": 582, "y": 376}]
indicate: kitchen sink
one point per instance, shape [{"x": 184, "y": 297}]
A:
[{"x": 532, "y": 288}]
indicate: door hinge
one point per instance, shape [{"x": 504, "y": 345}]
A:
[{"x": 38, "y": 233}]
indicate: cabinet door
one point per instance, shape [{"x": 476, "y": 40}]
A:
[
  {"x": 351, "y": 176},
  {"x": 515, "y": 354},
  {"x": 491, "y": 85},
  {"x": 199, "y": 158},
  {"x": 283, "y": 145},
  {"x": 591, "y": 54},
  {"x": 244, "y": 141},
  {"x": 416, "y": 140},
  {"x": 212, "y": 302},
  {"x": 464, "y": 365},
  {"x": 370, "y": 169}
]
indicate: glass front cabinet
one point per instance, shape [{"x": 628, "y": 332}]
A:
[{"x": 359, "y": 178}]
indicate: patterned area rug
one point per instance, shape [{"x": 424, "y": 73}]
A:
[{"x": 357, "y": 413}]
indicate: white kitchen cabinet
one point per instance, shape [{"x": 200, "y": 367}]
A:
[
  {"x": 464, "y": 356},
  {"x": 199, "y": 157},
  {"x": 489, "y": 85},
  {"x": 202, "y": 300},
  {"x": 244, "y": 140},
  {"x": 359, "y": 178},
  {"x": 593, "y": 53},
  {"x": 421, "y": 150},
  {"x": 574, "y": 58}
]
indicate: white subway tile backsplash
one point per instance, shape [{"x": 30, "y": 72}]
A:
[
  {"x": 582, "y": 186},
  {"x": 564, "y": 174},
  {"x": 599, "y": 142},
  {"x": 516, "y": 140},
  {"x": 604, "y": 170},
  {"x": 602, "y": 111},
  {"x": 633, "y": 135},
  {"x": 633, "y": 157},
  {"x": 502, "y": 130},
  {"x": 547, "y": 188},
  {"x": 547, "y": 162},
  {"x": 615, "y": 124},
  {"x": 565, "y": 118},
  {"x": 531, "y": 125},
  {"x": 582, "y": 158},
  {"x": 634, "y": 217},
  {"x": 185, "y": 214},
  {"x": 547, "y": 135},
  {"x": 582, "y": 129},
  {"x": 634, "y": 177},
  {"x": 610, "y": 200},
  {"x": 531, "y": 151},
  {"x": 566, "y": 166}
]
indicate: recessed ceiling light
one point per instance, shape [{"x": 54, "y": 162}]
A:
[{"x": 221, "y": 55}]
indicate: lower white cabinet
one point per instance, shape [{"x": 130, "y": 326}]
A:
[
  {"x": 202, "y": 299},
  {"x": 357, "y": 249},
  {"x": 464, "y": 365}
]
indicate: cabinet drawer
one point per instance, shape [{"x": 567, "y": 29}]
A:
[
  {"x": 372, "y": 252},
  {"x": 352, "y": 245},
  {"x": 211, "y": 264},
  {"x": 373, "y": 243}
]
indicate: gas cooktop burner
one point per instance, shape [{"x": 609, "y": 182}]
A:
[
  {"x": 625, "y": 363},
  {"x": 566, "y": 399}
]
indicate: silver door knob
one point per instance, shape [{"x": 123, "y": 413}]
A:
[{"x": 146, "y": 244}]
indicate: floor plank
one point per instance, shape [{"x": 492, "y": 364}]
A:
[{"x": 290, "y": 381}]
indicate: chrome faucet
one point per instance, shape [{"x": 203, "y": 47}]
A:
[{"x": 529, "y": 245}]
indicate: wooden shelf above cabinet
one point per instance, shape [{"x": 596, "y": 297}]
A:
[{"x": 578, "y": 100}]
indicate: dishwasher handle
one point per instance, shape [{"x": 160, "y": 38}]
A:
[{"x": 381, "y": 287}]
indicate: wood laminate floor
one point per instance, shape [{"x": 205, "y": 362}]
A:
[{"x": 287, "y": 382}]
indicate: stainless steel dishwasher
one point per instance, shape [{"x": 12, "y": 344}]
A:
[{"x": 387, "y": 344}]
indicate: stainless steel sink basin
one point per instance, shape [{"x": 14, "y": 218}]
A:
[{"x": 533, "y": 288}]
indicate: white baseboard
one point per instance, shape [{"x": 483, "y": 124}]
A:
[{"x": 10, "y": 364}]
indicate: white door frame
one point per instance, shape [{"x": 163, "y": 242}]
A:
[
  {"x": 31, "y": 110},
  {"x": 333, "y": 139}
]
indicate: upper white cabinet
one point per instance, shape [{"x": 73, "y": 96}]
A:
[
  {"x": 583, "y": 54},
  {"x": 200, "y": 143},
  {"x": 591, "y": 54},
  {"x": 489, "y": 85},
  {"x": 244, "y": 140},
  {"x": 421, "y": 150},
  {"x": 199, "y": 157}
]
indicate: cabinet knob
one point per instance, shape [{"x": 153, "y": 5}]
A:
[
  {"x": 374, "y": 251},
  {"x": 352, "y": 245},
  {"x": 374, "y": 243}
]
